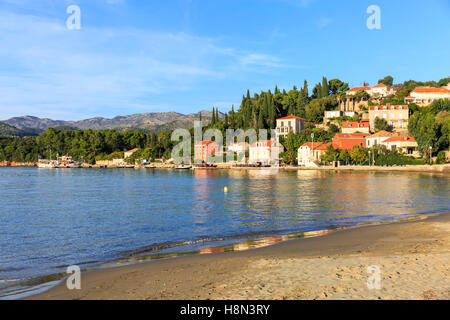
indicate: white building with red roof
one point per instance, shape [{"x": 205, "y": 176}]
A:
[
  {"x": 311, "y": 152},
  {"x": 129, "y": 153},
  {"x": 265, "y": 152},
  {"x": 353, "y": 91},
  {"x": 397, "y": 116},
  {"x": 353, "y": 127},
  {"x": 289, "y": 124},
  {"x": 405, "y": 144},
  {"x": 380, "y": 90},
  {"x": 426, "y": 95},
  {"x": 377, "y": 138}
]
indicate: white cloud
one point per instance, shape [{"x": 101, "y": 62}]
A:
[{"x": 47, "y": 69}]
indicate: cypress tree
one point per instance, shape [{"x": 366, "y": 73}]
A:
[
  {"x": 260, "y": 121},
  {"x": 305, "y": 89},
  {"x": 213, "y": 118},
  {"x": 232, "y": 117},
  {"x": 325, "y": 88}
]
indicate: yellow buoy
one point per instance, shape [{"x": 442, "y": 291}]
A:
[{"x": 225, "y": 189}]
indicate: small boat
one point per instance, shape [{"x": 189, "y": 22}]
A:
[
  {"x": 149, "y": 167},
  {"x": 182, "y": 167},
  {"x": 47, "y": 164}
]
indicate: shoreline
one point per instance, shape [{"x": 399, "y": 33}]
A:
[
  {"x": 436, "y": 168},
  {"x": 219, "y": 275}
]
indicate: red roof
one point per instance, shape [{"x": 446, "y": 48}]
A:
[
  {"x": 291, "y": 117},
  {"x": 396, "y": 107},
  {"x": 204, "y": 142},
  {"x": 132, "y": 150},
  {"x": 350, "y": 124},
  {"x": 359, "y": 88},
  {"x": 382, "y": 133},
  {"x": 317, "y": 145},
  {"x": 380, "y": 85},
  {"x": 267, "y": 143},
  {"x": 431, "y": 89},
  {"x": 349, "y": 140},
  {"x": 400, "y": 138}
]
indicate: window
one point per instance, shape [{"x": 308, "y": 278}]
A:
[
  {"x": 282, "y": 123},
  {"x": 400, "y": 108},
  {"x": 392, "y": 108},
  {"x": 384, "y": 108}
]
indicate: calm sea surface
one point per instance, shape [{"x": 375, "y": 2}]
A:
[{"x": 50, "y": 219}]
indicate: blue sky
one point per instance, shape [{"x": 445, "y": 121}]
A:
[{"x": 134, "y": 56}]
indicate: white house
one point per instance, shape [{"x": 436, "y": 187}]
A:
[
  {"x": 381, "y": 90},
  {"x": 265, "y": 152},
  {"x": 378, "y": 138},
  {"x": 311, "y": 152},
  {"x": 405, "y": 144},
  {"x": 129, "y": 153},
  {"x": 289, "y": 124},
  {"x": 426, "y": 95}
]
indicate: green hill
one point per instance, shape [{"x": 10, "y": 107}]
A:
[{"x": 7, "y": 130}]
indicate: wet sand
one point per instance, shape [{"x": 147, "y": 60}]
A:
[{"x": 413, "y": 258}]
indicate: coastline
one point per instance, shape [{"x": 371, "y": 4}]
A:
[
  {"x": 435, "y": 168},
  {"x": 413, "y": 257}
]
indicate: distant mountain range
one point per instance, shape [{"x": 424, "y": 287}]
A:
[{"x": 157, "y": 121}]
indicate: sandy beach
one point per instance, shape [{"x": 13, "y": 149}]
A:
[{"x": 413, "y": 258}]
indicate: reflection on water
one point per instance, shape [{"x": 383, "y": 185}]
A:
[{"x": 55, "y": 218}]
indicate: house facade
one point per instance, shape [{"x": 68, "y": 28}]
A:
[
  {"x": 129, "y": 153},
  {"x": 265, "y": 152},
  {"x": 405, "y": 144},
  {"x": 426, "y": 95},
  {"x": 203, "y": 150},
  {"x": 353, "y": 127},
  {"x": 380, "y": 90},
  {"x": 377, "y": 138},
  {"x": 310, "y": 153},
  {"x": 238, "y": 150},
  {"x": 289, "y": 124},
  {"x": 396, "y": 116}
]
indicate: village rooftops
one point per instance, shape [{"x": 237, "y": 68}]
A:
[
  {"x": 400, "y": 139},
  {"x": 132, "y": 150},
  {"x": 291, "y": 117},
  {"x": 264, "y": 143},
  {"x": 380, "y": 85},
  {"x": 317, "y": 145},
  {"x": 431, "y": 89},
  {"x": 204, "y": 142},
  {"x": 389, "y": 107},
  {"x": 382, "y": 133},
  {"x": 359, "y": 89}
]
